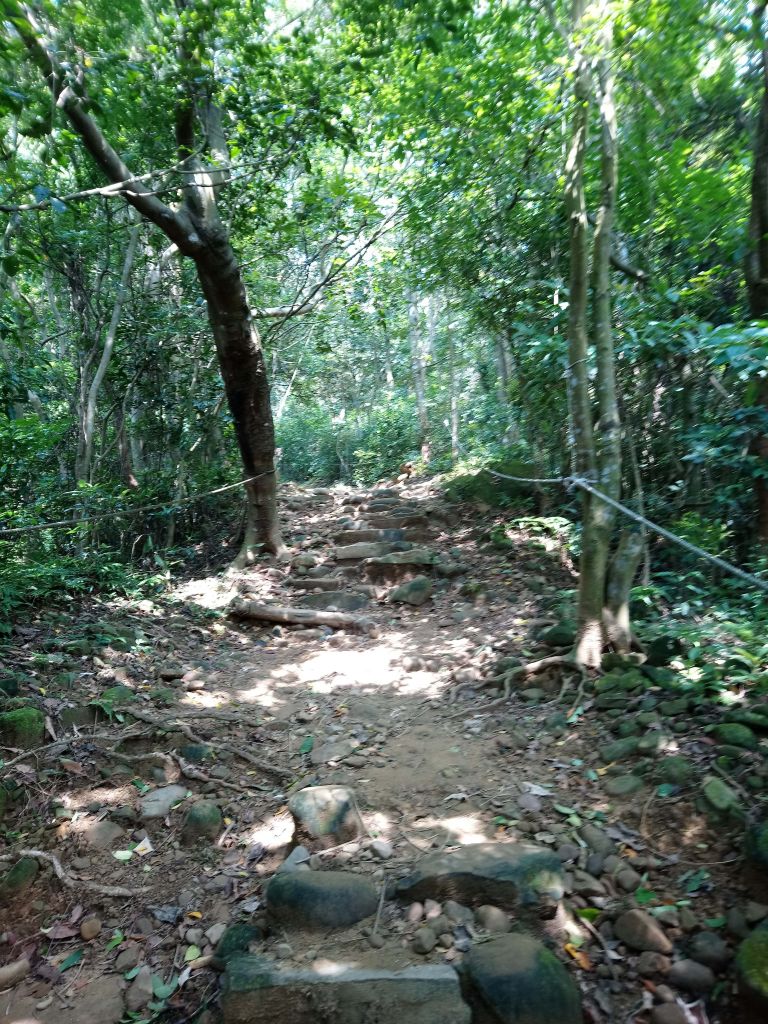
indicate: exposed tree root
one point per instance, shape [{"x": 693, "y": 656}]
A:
[
  {"x": 68, "y": 881},
  {"x": 246, "y": 609},
  {"x": 171, "y": 722},
  {"x": 506, "y": 679}
]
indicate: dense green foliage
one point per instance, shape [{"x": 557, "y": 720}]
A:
[{"x": 399, "y": 168}]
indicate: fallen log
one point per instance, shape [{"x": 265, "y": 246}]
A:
[{"x": 242, "y": 608}]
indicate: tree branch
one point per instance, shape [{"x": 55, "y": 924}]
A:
[{"x": 176, "y": 227}]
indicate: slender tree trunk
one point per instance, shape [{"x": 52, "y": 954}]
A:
[
  {"x": 84, "y": 457},
  {"x": 592, "y": 562},
  {"x": 124, "y": 449},
  {"x": 454, "y": 395},
  {"x": 756, "y": 266},
  {"x": 419, "y": 374}
]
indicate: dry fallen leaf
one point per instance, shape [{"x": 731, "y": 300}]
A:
[{"x": 579, "y": 956}]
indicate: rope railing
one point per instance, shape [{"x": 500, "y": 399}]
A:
[
  {"x": 160, "y": 506},
  {"x": 587, "y": 485}
]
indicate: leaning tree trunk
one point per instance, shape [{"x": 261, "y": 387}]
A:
[
  {"x": 195, "y": 228},
  {"x": 244, "y": 372}
]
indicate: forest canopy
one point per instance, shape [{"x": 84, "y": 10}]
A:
[{"x": 316, "y": 241}]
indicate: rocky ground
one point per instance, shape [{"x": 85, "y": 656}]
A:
[{"x": 208, "y": 817}]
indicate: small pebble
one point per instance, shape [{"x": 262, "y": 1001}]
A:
[
  {"x": 669, "y": 1013},
  {"x": 692, "y": 976},
  {"x": 90, "y": 928},
  {"x": 415, "y": 912},
  {"x": 424, "y": 941},
  {"x": 381, "y": 848},
  {"x": 492, "y": 919}
]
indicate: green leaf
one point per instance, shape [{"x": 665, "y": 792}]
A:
[
  {"x": 644, "y": 896},
  {"x": 122, "y": 855},
  {"x": 565, "y": 810},
  {"x": 115, "y": 941},
  {"x": 588, "y": 913},
  {"x": 307, "y": 745},
  {"x": 130, "y": 975},
  {"x": 714, "y": 922},
  {"x": 192, "y": 953},
  {"x": 160, "y": 989},
  {"x": 666, "y": 789},
  {"x": 501, "y": 820},
  {"x": 71, "y": 960}
]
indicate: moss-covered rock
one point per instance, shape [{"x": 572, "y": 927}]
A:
[
  {"x": 203, "y": 822},
  {"x": 734, "y": 734},
  {"x": 756, "y": 844},
  {"x": 675, "y": 769},
  {"x": 23, "y": 728},
  {"x": 719, "y": 797},
  {"x": 562, "y": 634},
  {"x": 490, "y": 489},
  {"x": 519, "y": 979},
  {"x": 663, "y": 649},
  {"x": 619, "y": 750},
  {"x": 236, "y": 940},
  {"x": 9, "y": 687},
  {"x": 113, "y": 696},
  {"x": 18, "y": 879},
  {"x": 752, "y": 970}
]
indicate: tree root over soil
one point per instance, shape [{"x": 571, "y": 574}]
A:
[
  {"x": 68, "y": 881},
  {"x": 174, "y": 722},
  {"x": 505, "y": 679},
  {"x": 248, "y": 609}
]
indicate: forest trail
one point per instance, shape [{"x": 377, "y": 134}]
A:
[{"x": 235, "y": 717}]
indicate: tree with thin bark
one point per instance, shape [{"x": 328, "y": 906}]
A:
[{"x": 197, "y": 229}]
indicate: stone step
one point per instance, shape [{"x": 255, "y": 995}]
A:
[
  {"x": 255, "y": 990},
  {"x": 399, "y": 565},
  {"x": 364, "y": 535},
  {"x": 343, "y": 601},
  {"x": 316, "y": 583},
  {"x": 368, "y": 549},
  {"x": 393, "y": 521}
]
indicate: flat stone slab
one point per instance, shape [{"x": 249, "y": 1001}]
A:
[
  {"x": 159, "y": 802},
  {"x": 315, "y": 583},
  {"x": 513, "y": 876},
  {"x": 320, "y": 899},
  {"x": 253, "y": 990},
  {"x": 395, "y": 521},
  {"x": 368, "y": 536},
  {"x": 519, "y": 981},
  {"x": 369, "y": 549},
  {"x": 340, "y": 602}
]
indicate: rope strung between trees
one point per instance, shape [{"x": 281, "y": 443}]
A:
[
  {"x": 566, "y": 481},
  {"x": 163, "y": 506},
  {"x": 586, "y": 485}
]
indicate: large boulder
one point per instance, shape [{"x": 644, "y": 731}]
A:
[
  {"x": 320, "y": 899},
  {"x": 320, "y": 811},
  {"x": 516, "y": 980},
  {"x": 514, "y": 876},
  {"x": 254, "y": 990}
]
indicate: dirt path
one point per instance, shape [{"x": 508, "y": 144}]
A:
[{"x": 313, "y": 707}]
